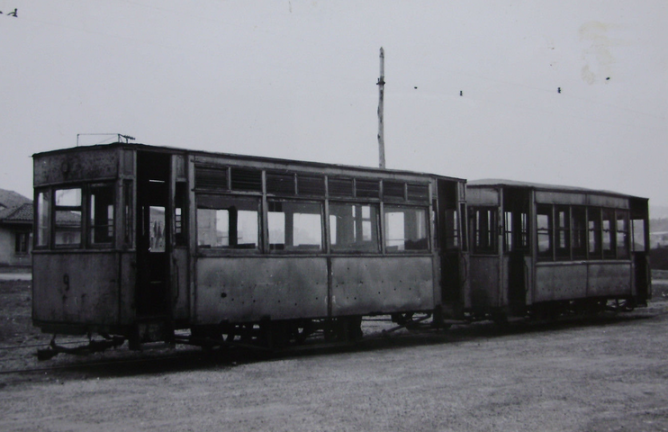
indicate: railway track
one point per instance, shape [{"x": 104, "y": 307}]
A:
[{"x": 379, "y": 333}]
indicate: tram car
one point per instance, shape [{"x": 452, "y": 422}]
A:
[
  {"x": 138, "y": 242},
  {"x": 546, "y": 250}
]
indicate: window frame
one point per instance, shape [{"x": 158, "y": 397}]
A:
[
  {"x": 426, "y": 227},
  {"x": 375, "y": 227},
  {"x": 293, "y": 249},
  {"x": 227, "y": 250}
]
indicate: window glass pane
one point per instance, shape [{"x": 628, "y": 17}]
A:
[
  {"x": 353, "y": 227},
  {"x": 227, "y": 222},
  {"x": 157, "y": 229},
  {"x": 180, "y": 221},
  {"x": 451, "y": 229},
  {"x": 101, "y": 213},
  {"x": 594, "y": 217},
  {"x": 484, "y": 226},
  {"x": 295, "y": 226},
  {"x": 43, "y": 216},
  {"x": 607, "y": 234},
  {"x": 68, "y": 216},
  {"x": 563, "y": 232},
  {"x": 405, "y": 229},
  {"x": 68, "y": 197},
  {"x": 578, "y": 225},
  {"x": 622, "y": 229},
  {"x": 544, "y": 231}
]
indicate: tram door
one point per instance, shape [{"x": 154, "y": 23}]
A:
[
  {"x": 153, "y": 218},
  {"x": 516, "y": 246}
]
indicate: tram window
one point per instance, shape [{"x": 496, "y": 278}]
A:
[
  {"x": 127, "y": 211},
  {"x": 594, "y": 226},
  {"x": 578, "y": 227},
  {"x": 180, "y": 222},
  {"x": 313, "y": 185},
  {"x": 508, "y": 231},
  {"x": 67, "y": 208},
  {"x": 101, "y": 213},
  {"x": 227, "y": 222},
  {"x": 544, "y": 231},
  {"x": 622, "y": 233},
  {"x": 563, "y": 238},
  {"x": 43, "y": 217},
  {"x": 157, "y": 229},
  {"x": 295, "y": 226},
  {"x": 451, "y": 229},
  {"x": 405, "y": 229},
  {"x": 607, "y": 234},
  {"x": 353, "y": 227},
  {"x": 484, "y": 227}
]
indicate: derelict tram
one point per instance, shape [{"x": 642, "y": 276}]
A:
[
  {"x": 136, "y": 242},
  {"x": 139, "y": 241},
  {"x": 547, "y": 250}
]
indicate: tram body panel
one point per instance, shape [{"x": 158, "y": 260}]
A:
[
  {"x": 610, "y": 279},
  {"x": 485, "y": 281},
  {"x": 78, "y": 289},
  {"x": 368, "y": 285},
  {"x": 560, "y": 281},
  {"x": 254, "y": 289}
]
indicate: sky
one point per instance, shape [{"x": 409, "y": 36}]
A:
[{"x": 562, "y": 92}]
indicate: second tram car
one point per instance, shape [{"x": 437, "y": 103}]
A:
[
  {"x": 139, "y": 241},
  {"x": 548, "y": 250}
]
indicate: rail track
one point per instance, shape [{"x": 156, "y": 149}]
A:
[{"x": 379, "y": 333}]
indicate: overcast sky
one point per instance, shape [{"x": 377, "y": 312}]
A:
[{"x": 297, "y": 79}]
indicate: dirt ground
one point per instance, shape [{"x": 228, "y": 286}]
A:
[{"x": 604, "y": 374}]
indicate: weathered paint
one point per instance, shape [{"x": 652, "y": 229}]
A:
[
  {"x": 560, "y": 281},
  {"x": 610, "y": 279},
  {"x": 252, "y": 289},
  {"x": 482, "y": 196},
  {"x": 576, "y": 280},
  {"x": 97, "y": 163},
  {"x": 484, "y": 276},
  {"x": 76, "y": 288},
  {"x": 365, "y": 285}
]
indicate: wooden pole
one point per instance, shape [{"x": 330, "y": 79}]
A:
[{"x": 381, "y": 89}]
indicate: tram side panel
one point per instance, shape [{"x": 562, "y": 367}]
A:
[
  {"x": 253, "y": 289},
  {"x": 77, "y": 290},
  {"x": 370, "y": 285}
]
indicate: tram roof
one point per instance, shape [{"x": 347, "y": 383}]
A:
[
  {"x": 544, "y": 187},
  {"x": 176, "y": 150}
]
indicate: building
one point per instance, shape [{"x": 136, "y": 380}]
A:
[{"x": 16, "y": 220}]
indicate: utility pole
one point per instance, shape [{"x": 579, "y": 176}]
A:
[{"x": 381, "y": 89}]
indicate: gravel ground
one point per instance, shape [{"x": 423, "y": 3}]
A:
[{"x": 605, "y": 374}]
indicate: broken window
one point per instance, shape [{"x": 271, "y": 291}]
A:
[
  {"x": 295, "y": 226},
  {"x": 227, "y": 222},
  {"x": 353, "y": 227},
  {"x": 405, "y": 229},
  {"x": 101, "y": 213},
  {"x": 67, "y": 208}
]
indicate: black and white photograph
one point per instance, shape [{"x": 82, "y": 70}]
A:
[{"x": 309, "y": 215}]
